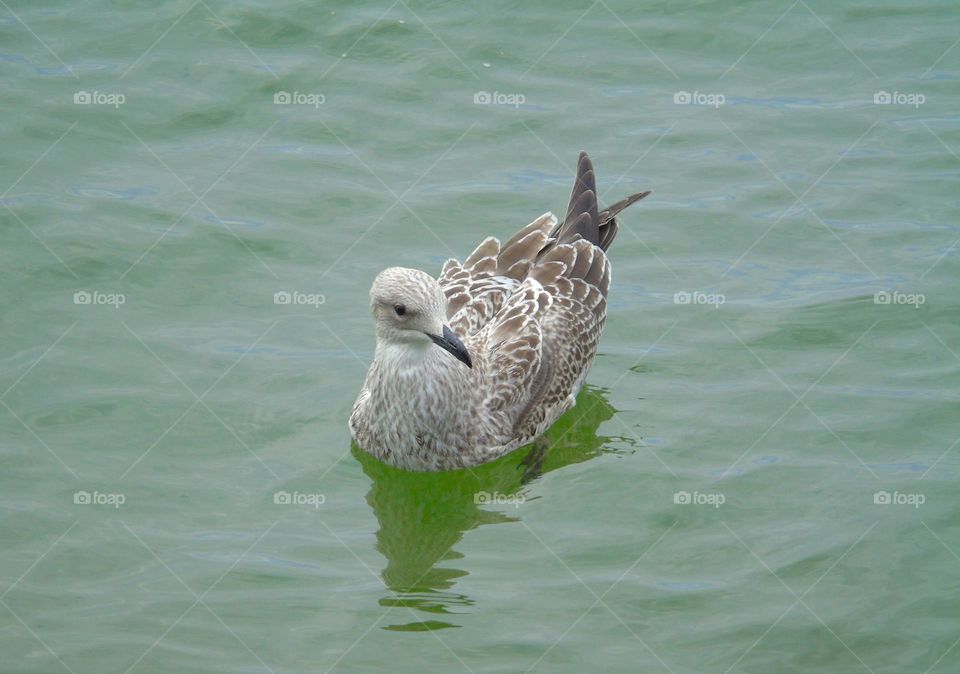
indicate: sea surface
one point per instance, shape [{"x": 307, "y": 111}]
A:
[{"x": 761, "y": 475}]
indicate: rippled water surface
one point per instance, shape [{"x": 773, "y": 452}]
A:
[{"x": 781, "y": 357}]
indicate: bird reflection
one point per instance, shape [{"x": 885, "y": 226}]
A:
[{"x": 423, "y": 515}]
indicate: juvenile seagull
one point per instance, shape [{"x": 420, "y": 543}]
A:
[{"x": 517, "y": 328}]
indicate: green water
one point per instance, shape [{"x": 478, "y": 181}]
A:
[{"x": 782, "y": 397}]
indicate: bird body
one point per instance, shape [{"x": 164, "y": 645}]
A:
[{"x": 517, "y": 325}]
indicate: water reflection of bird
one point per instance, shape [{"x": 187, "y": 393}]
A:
[{"x": 423, "y": 515}]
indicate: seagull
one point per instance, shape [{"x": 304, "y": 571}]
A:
[{"x": 485, "y": 358}]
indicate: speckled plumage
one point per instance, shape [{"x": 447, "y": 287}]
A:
[{"x": 530, "y": 314}]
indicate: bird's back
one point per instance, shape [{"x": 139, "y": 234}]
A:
[{"x": 531, "y": 312}]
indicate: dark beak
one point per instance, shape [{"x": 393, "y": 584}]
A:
[{"x": 450, "y": 342}]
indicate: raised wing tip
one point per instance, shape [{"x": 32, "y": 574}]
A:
[{"x": 583, "y": 201}]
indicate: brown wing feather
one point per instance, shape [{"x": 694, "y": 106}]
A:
[
  {"x": 533, "y": 309},
  {"x": 477, "y": 289},
  {"x": 512, "y": 349},
  {"x": 577, "y": 278}
]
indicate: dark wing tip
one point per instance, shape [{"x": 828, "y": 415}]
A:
[
  {"x": 608, "y": 218},
  {"x": 609, "y": 213},
  {"x": 584, "y": 220},
  {"x": 583, "y": 201}
]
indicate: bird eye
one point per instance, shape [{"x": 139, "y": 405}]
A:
[{"x": 400, "y": 309}]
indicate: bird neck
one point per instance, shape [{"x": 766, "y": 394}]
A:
[
  {"x": 422, "y": 381},
  {"x": 404, "y": 357}
]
